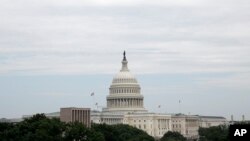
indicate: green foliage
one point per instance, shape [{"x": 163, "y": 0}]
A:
[
  {"x": 76, "y": 131},
  {"x": 173, "y": 136},
  {"x": 40, "y": 128},
  {"x": 37, "y": 128},
  {"x": 96, "y": 136},
  {"x": 121, "y": 132},
  {"x": 216, "y": 133}
]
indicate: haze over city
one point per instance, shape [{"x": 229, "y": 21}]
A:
[{"x": 188, "y": 56}]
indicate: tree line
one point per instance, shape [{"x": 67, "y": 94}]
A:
[
  {"x": 41, "y": 128},
  {"x": 217, "y": 133}
]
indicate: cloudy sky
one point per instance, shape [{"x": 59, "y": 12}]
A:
[{"x": 54, "y": 53}]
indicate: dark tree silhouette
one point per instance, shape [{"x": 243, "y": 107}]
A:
[{"x": 173, "y": 136}]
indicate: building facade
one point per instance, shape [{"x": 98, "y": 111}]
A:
[
  {"x": 209, "y": 121},
  {"x": 73, "y": 114},
  {"x": 155, "y": 125},
  {"x": 187, "y": 125}
]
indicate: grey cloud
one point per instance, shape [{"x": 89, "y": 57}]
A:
[{"x": 196, "y": 37}]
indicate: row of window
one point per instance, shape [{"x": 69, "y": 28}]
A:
[
  {"x": 140, "y": 120},
  {"x": 176, "y": 125},
  {"x": 140, "y": 126},
  {"x": 124, "y": 81},
  {"x": 125, "y": 90},
  {"x": 176, "y": 121}
]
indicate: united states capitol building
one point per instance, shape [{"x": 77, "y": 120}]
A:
[{"x": 125, "y": 105}]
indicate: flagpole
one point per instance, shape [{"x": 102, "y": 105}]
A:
[
  {"x": 96, "y": 106},
  {"x": 93, "y": 95},
  {"x": 159, "y": 107},
  {"x": 180, "y": 106}
]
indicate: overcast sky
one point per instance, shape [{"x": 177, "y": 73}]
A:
[{"x": 54, "y": 53}]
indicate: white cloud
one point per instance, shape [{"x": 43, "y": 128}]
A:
[
  {"x": 104, "y": 2},
  {"x": 78, "y": 37}
]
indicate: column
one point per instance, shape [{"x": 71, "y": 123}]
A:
[{"x": 120, "y": 102}]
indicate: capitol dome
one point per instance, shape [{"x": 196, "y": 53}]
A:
[
  {"x": 124, "y": 77},
  {"x": 124, "y": 92}
]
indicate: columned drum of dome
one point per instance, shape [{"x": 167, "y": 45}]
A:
[{"x": 125, "y": 92}]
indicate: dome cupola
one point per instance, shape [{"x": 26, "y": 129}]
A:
[
  {"x": 124, "y": 92},
  {"x": 124, "y": 76}
]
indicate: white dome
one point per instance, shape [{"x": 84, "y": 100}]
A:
[
  {"x": 124, "y": 77},
  {"x": 125, "y": 92}
]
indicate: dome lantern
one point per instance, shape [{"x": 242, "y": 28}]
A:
[{"x": 124, "y": 63}]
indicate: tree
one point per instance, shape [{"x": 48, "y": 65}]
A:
[
  {"x": 215, "y": 133},
  {"x": 173, "y": 136},
  {"x": 76, "y": 132},
  {"x": 38, "y": 128},
  {"x": 4, "y": 130},
  {"x": 121, "y": 132},
  {"x": 96, "y": 136}
]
